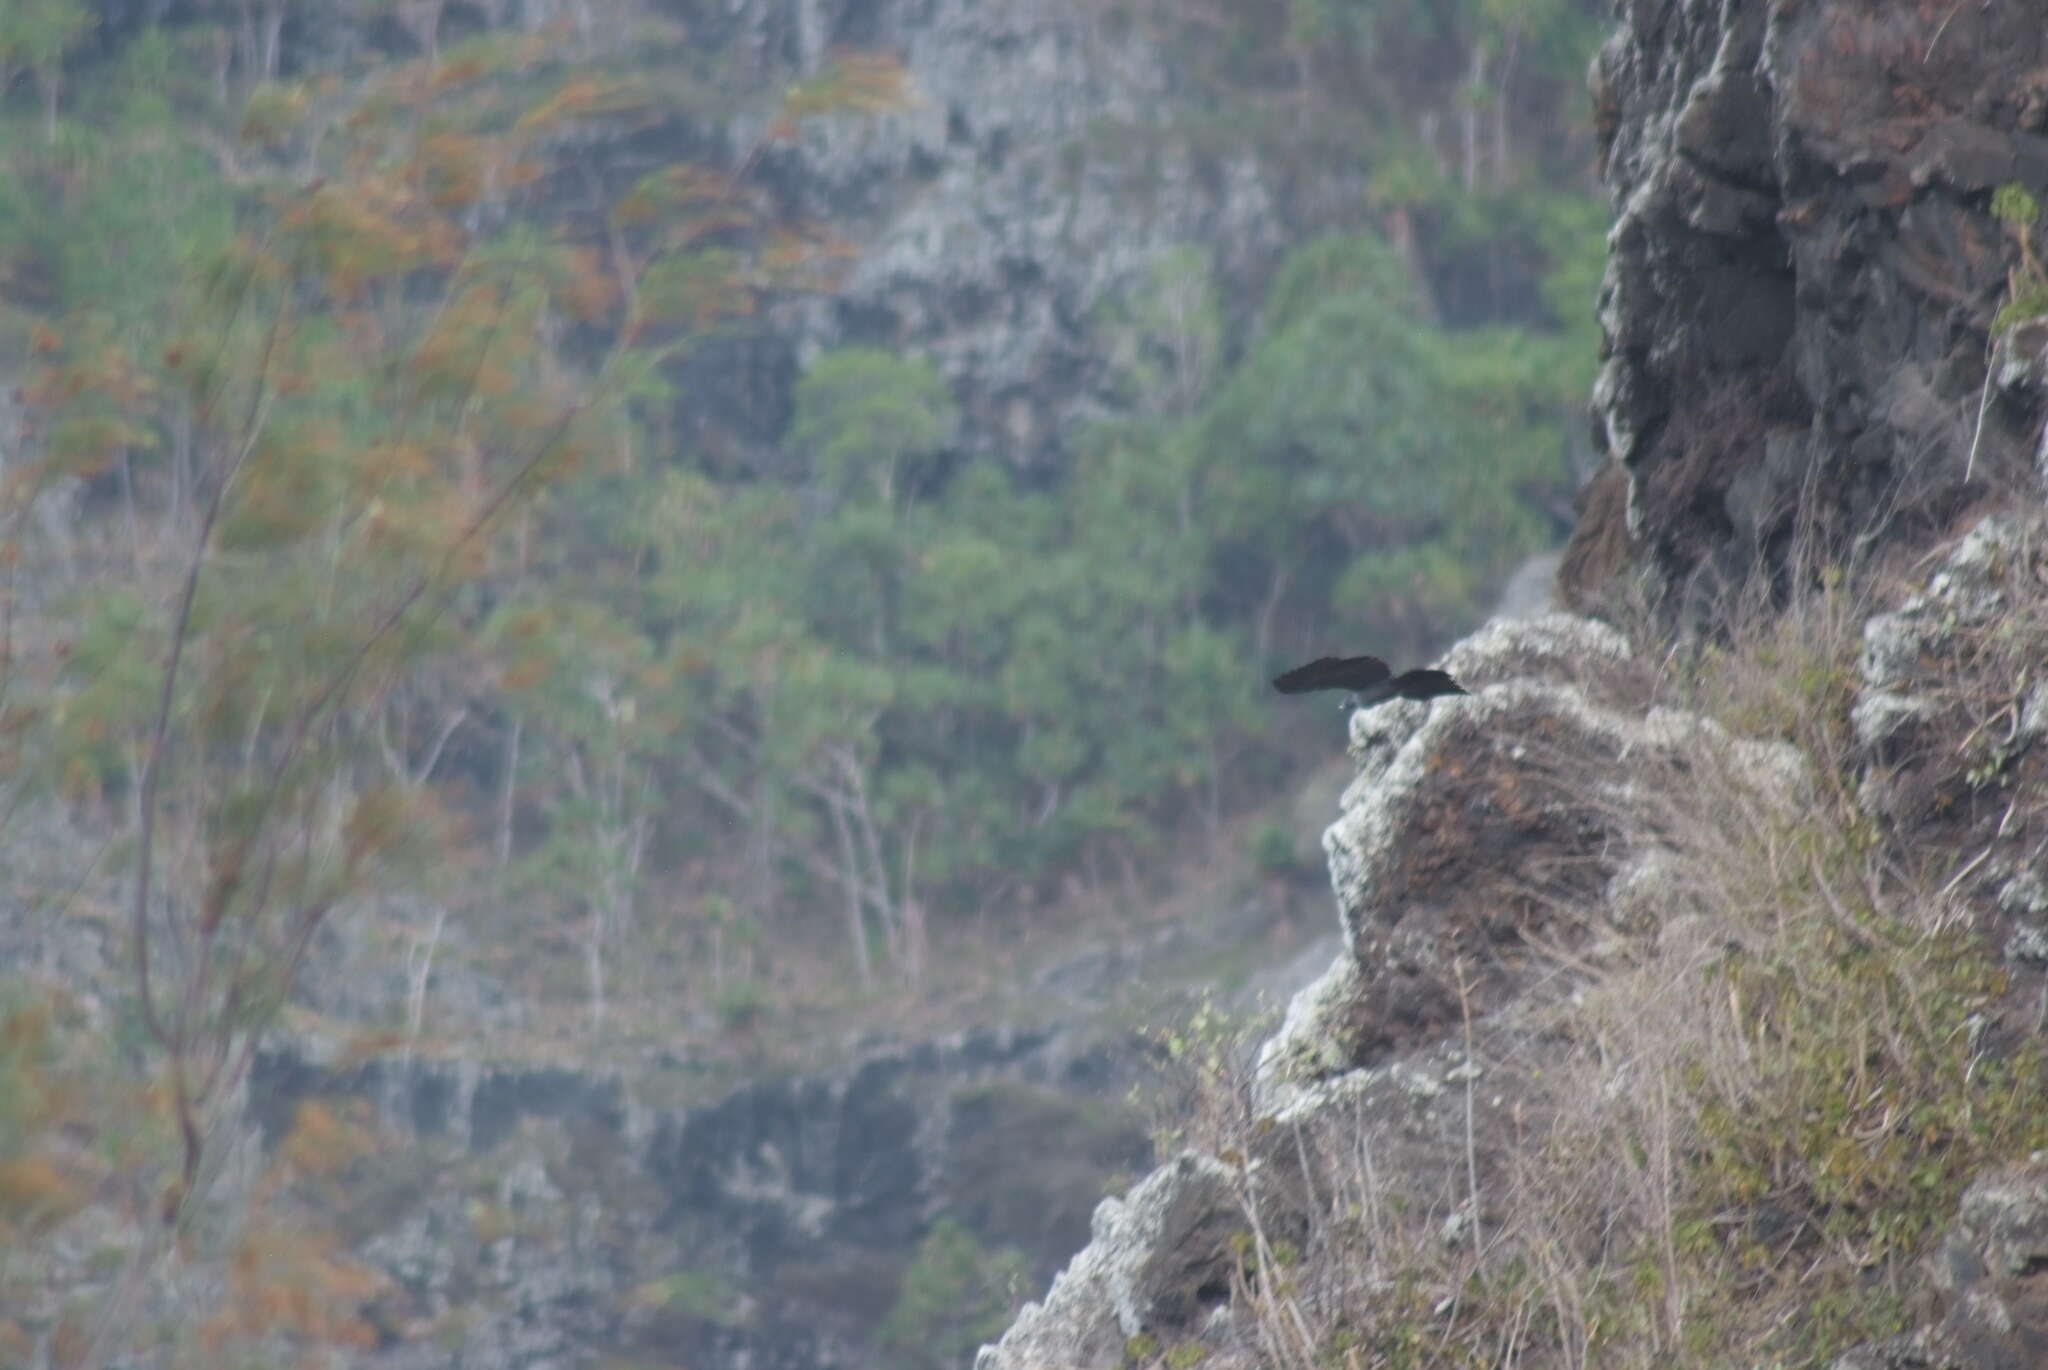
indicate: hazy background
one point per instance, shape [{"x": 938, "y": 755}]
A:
[{"x": 646, "y": 537}]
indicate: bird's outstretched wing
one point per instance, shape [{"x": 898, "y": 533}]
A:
[
  {"x": 1333, "y": 673},
  {"x": 1424, "y": 684}
]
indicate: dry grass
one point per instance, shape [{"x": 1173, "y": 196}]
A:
[{"x": 1740, "y": 1129}]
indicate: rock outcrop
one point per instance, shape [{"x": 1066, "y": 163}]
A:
[
  {"x": 1035, "y": 177},
  {"x": 1495, "y": 857},
  {"x": 1803, "y": 275},
  {"x": 536, "y": 1213},
  {"x": 1477, "y": 829},
  {"x": 1990, "y": 1278}
]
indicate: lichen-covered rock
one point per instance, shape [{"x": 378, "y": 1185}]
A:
[
  {"x": 1478, "y": 822},
  {"x": 1803, "y": 275},
  {"x": 1948, "y": 717},
  {"x": 1991, "y": 1275},
  {"x": 1158, "y": 1261},
  {"x": 1909, "y": 653},
  {"x": 541, "y": 1214},
  {"x": 1475, "y": 827},
  {"x": 1019, "y": 204}
]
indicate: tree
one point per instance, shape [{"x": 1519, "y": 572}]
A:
[
  {"x": 35, "y": 35},
  {"x": 360, "y": 400},
  {"x": 867, "y": 419},
  {"x": 578, "y": 675}
]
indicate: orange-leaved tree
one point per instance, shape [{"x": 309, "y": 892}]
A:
[{"x": 274, "y": 533}]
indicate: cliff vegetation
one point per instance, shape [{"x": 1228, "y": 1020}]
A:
[{"x": 544, "y": 539}]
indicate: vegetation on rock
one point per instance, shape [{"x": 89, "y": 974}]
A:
[{"x": 372, "y": 545}]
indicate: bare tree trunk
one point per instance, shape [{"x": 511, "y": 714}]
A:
[
  {"x": 856, "y": 920},
  {"x": 223, "y": 59},
  {"x": 419, "y": 967},
  {"x": 52, "y": 82},
  {"x": 593, "y": 962},
  {"x": 273, "y": 37},
  {"x": 916, "y": 938},
  {"x": 423, "y": 17},
  {"x": 1468, "y": 119},
  {"x": 507, "y": 790},
  {"x": 876, "y": 881},
  {"x": 1468, "y": 116},
  {"x": 1500, "y": 107},
  {"x": 1269, "y": 609}
]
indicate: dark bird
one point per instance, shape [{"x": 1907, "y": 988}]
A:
[{"x": 1369, "y": 680}]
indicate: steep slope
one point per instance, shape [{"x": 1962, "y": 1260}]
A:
[
  {"x": 1689, "y": 1007},
  {"x": 1804, "y": 272}
]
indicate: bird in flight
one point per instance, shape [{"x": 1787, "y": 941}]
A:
[{"x": 1369, "y": 680}]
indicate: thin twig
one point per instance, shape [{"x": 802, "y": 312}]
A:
[{"x": 1984, "y": 398}]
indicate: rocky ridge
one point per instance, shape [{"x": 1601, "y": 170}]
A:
[
  {"x": 1801, "y": 371},
  {"x": 1802, "y": 278},
  {"x": 1475, "y": 830},
  {"x": 1494, "y": 859}
]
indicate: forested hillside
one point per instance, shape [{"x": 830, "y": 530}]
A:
[
  {"x": 354, "y": 315},
  {"x": 580, "y": 504}
]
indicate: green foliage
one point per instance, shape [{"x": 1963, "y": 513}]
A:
[
  {"x": 1405, "y": 448},
  {"x": 2014, "y": 205},
  {"x": 35, "y": 34},
  {"x": 1273, "y": 851},
  {"x": 1872, "y": 1109},
  {"x": 870, "y": 673},
  {"x": 697, "y": 1294},
  {"x": 865, "y": 417},
  {"x": 955, "y": 1296},
  {"x": 2028, "y": 303},
  {"x": 1165, "y": 340},
  {"x": 740, "y": 1004},
  {"x": 2027, "y": 288}
]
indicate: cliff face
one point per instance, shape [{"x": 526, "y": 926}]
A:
[
  {"x": 1537, "y": 1047},
  {"x": 1036, "y": 176},
  {"x": 1803, "y": 273},
  {"x": 526, "y": 1216},
  {"x": 1036, "y": 171}
]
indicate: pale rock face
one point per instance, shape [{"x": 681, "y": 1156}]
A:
[
  {"x": 1461, "y": 809},
  {"x": 1028, "y": 183},
  {"x": 1541, "y": 769},
  {"x": 1987, "y": 1269},
  {"x": 1904, "y": 650},
  {"x": 1154, "y": 1252}
]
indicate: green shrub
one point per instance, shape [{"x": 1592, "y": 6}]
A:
[{"x": 955, "y": 1296}]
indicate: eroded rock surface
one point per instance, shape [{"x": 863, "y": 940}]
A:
[
  {"x": 1803, "y": 275},
  {"x": 1157, "y": 1258},
  {"x": 535, "y": 1213},
  {"x": 1481, "y": 836},
  {"x": 1991, "y": 1278}
]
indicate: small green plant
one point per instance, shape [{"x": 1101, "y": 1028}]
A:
[
  {"x": 702, "y": 1295},
  {"x": 1203, "y": 1098},
  {"x": 741, "y": 1004},
  {"x": 956, "y": 1295},
  {"x": 1273, "y": 851},
  {"x": 2027, "y": 286},
  {"x": 2014, "y": 205}
]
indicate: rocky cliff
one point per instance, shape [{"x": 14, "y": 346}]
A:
[
  {"x": 1598, "y": 947},
  {"x": 1804, "y": 269},
  {"x": 1039, "y": 168},
  {"x": 1569, "y": 1094},
  {"x": 527, "y": 1215}
]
